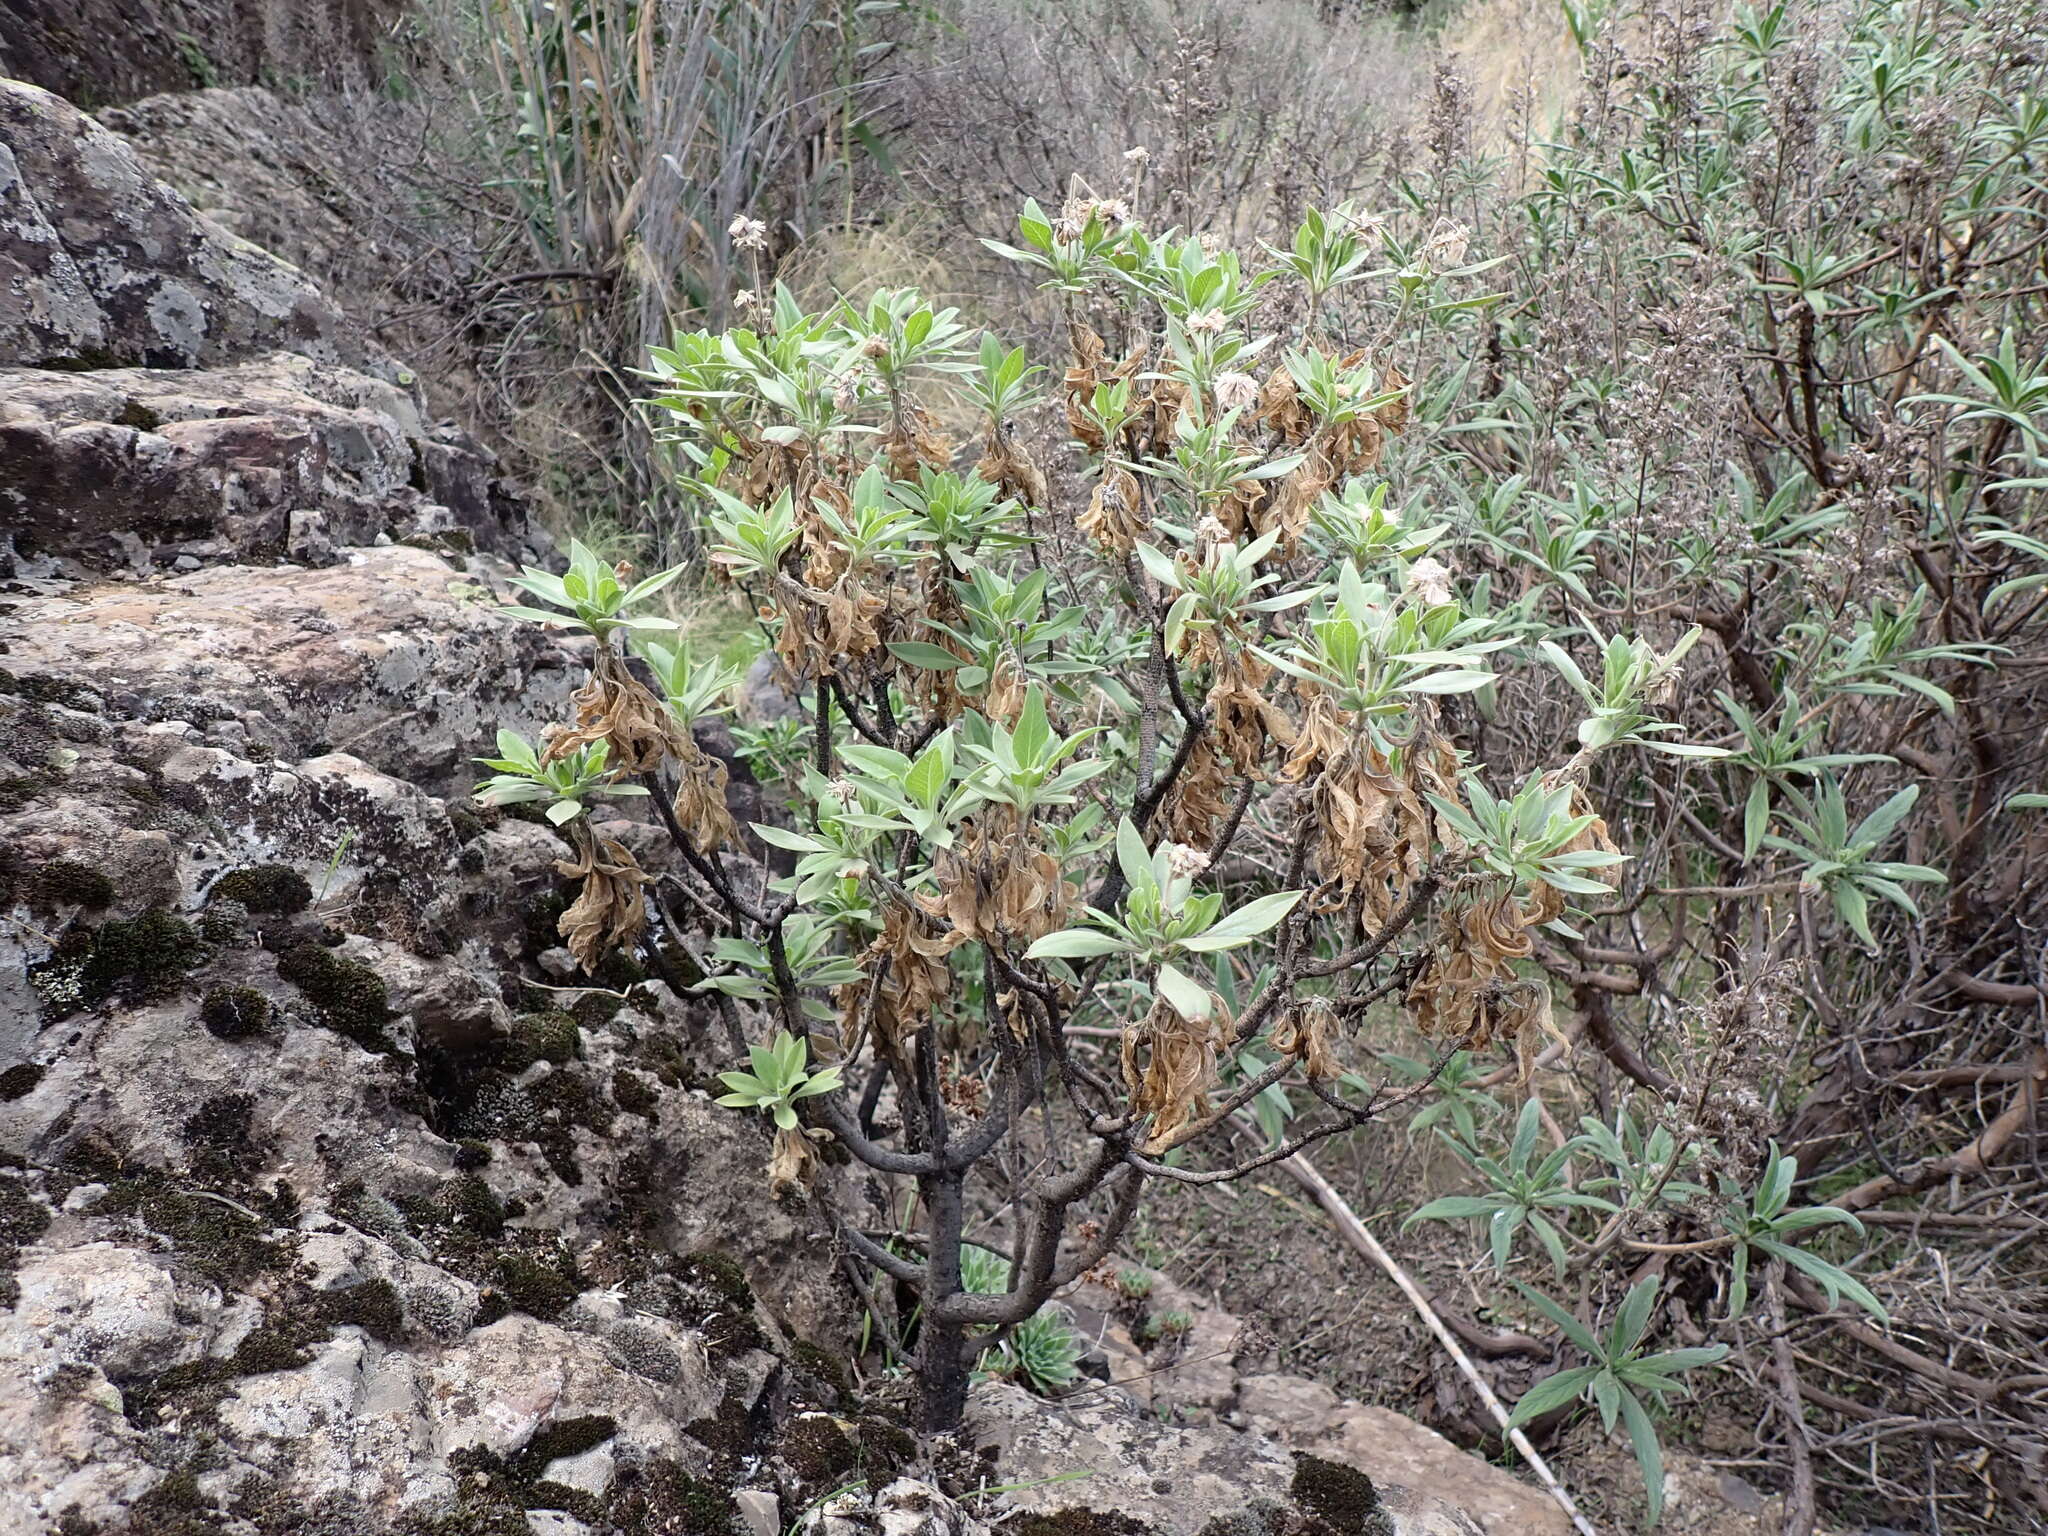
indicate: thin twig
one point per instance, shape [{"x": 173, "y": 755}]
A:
[{"x": 1355, "y": 1232}]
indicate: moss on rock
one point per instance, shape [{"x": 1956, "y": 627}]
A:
[
  {"x": 724, "y": 1301},
  {"x": 1076, "y": 1521},
  {"x": 352, "y": 998},
  {"x": 1338, "y": 1498},
  {"x": 235, "y": 1013},
  {"x": 568, "y": 1437},
  {"x": 658, "y": 1495},
  {"x": 371, "y": 1305},
  {"x": 271, "y": 888},
  {"x": 140, "y": 959},
  {"x": 632, "y": 1093},
  {"x": 62, "y": 883},
  {"x": 818, "y": 1454},
  {"x": 549, "y": 1036},
  {"x": 541, "y": 1286},
  {"x": 222, "y": 1136},
  {"x": 210, "y": 1238},
  {"x": 22, "y": 1217}
]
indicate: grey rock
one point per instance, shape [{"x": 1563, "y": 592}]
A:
[
  {"x": 101, "y": 264},
  {"x": 272, "y": 455},
  {"x": 116, "y": 50},
  {"x": 1173, "y": 1479},
  {"x": 404, "y": 668},
  {"x": 760, "y": 1511}
]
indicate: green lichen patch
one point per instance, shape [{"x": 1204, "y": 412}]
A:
[
  {"x": 270, "y": 888},
  {"x": 352, "y": 998},
  {"x": 1338, "y": 1498},
  {"x": 235, "y": 1013}
]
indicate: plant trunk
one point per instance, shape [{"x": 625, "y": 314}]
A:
[
  {"x": 942, "y": 1377},
  {"x": 942, "y": 1367}
]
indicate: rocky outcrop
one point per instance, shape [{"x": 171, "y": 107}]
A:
[
  {"x": 278, "y": 456},
  {"x": 102, "y": 265},
  {"x": 187, "y": 395},
  {"x": 1181, "y": 1360},
  {"x": 310, "y": 179},
  {"x": 311, "y": 1201},
  {"x": 96, "y": 52},
  {"x": 392, "y": 654}
]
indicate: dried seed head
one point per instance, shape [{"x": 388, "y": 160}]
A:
[
  {"x": 1137, "y": 154},
  {"x": 748, "y": 234},
  {"x": 1234, "y": 391},
  {"x": 1186, "y": 862},
  {"x": 1206, "y": 321},
  {"x": 1446, "y": 245},
  {"x": 745, "y": 300},
  {"x": 1429, "y": 582},
  {"x": 1368, "y": 225}
]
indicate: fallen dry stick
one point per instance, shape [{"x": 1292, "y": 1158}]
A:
[{"x": 1355, "y": 1233}]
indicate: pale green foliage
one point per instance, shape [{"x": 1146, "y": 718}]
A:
[
  {"x": 1624, "y": 1378},
  {"x": 591, "y": 594},
  {"x": 779, "y": 1079},
  {"x": 1527, "y": 838},
  {"x": 520, "y": 778},
  {"x": 1043, "y": 1352},
  {"x": 1760, "y": 1222},
  {"x": 1837, "y": 857}
]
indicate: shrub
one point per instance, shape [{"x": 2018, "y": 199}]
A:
[{"x": 1168, "y": 745}]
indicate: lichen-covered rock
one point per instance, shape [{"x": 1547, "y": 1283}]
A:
[
  {"x": 1181, "y": 1360},
  {"x": 101, "y": 265},
  {"x": 1105, "y": 1457},
  {"x": 313, "y": 1206},
  {"x": 395, "y": 657},
  {"x": 140, "y": 466},
  {"x": 906, "y": 1507},
  {"x": 97, "y": 51}
]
